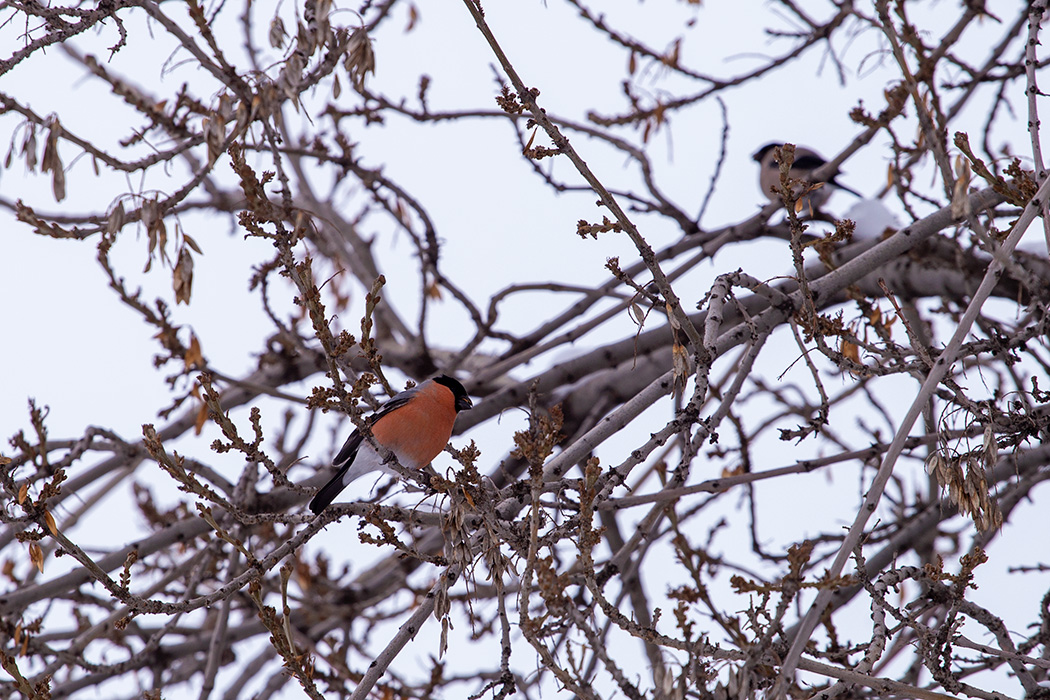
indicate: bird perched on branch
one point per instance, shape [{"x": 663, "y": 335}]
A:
[
  {"x": 415, "y": 426},
  {"x": 805, "y": 162}
]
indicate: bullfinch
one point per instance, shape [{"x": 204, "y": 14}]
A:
[
  {"x": 806, "y": 161},
  {"x": 415, "y": 425}
]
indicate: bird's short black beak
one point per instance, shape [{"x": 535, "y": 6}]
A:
[{"x": 463, "y": 403}]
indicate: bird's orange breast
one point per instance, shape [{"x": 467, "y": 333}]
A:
[{"x": 419, "y": 430}]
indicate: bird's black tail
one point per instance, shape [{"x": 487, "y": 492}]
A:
[{"x": 327, "y": 493}]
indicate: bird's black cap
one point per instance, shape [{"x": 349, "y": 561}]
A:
[
  {"x": 761, "y": 153},
  {"x": 462, "y": 400}
]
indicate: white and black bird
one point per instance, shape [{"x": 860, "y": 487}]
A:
[{"x": 806, "y": 161}]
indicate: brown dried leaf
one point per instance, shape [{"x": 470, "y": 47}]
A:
[
  {"x": 36, "y": 555},
  {"x": 182, "y": 277},
  {"x": 52, "y": 162},
  {"x": 933, "y": 463},
  {"x": 29, "y": 148},
  {"x": 732, "y": 471},
  {"x": 192, "y": 244},
  {"x": 672, "y": 57},
  {"x": 360, "y": 58},
  {"x": 50, "y": 520},
  {"x": 58, "y": 182},
  {"x": 990, "y": 449},
  {"x": 156, "y": 232},
  {"x": 675, "y": 323},
  {"x": 291, "y": 76},
  {"x": 960, "y": 201},
  {"x": 116, "y": 218},
  {"x": 277, "y": 33},
  {"x": 680, "y": 363},
  {"x": 214, "y": 129},
  {"x": 8, "y": 570},
  {"x": 51, "y": 158},
  {"x": 851, "y": 351},
  {"x": 202, "y": 418},
  {"x": 637, "y": 315},
  {"x": 532, "y": 138},
  {"x": 194, "y": 357},
  {"x": 160, "y": 230},
  {"x": 304, "y": 41}
]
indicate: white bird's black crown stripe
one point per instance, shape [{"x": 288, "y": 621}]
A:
[{"x": 806, "y": 161}]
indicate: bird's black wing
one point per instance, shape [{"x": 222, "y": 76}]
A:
[
  {"x": 348, "y": 452},
  {"x": 349, "y": 449},
  {"x": 808, "y": 162}
]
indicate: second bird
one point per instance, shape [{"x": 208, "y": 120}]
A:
[
  {"x": 806, "y": 161},
  {"x": 415, "y": 425}
]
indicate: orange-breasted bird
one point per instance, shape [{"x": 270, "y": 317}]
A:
[{"x": 415, "y": 425}]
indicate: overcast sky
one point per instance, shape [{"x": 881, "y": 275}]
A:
[{"x": 72, "y": 348}]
